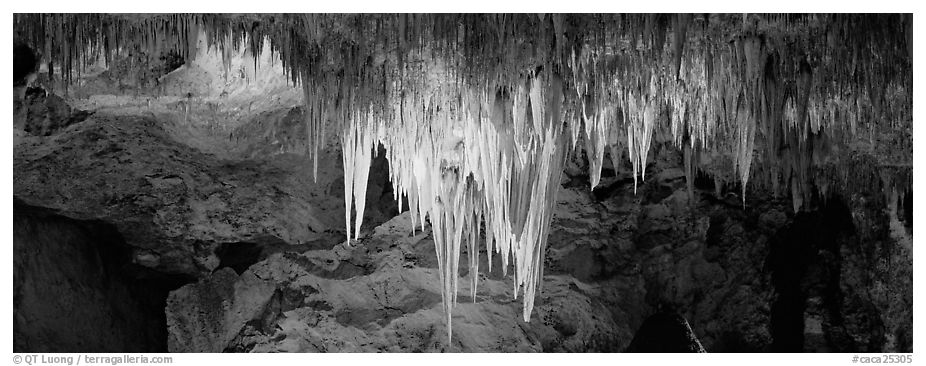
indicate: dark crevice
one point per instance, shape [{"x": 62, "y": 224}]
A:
[
  {"x": 171, "y": 61},
  {"x": 704, "y": 181},
  {"x": 605, "y": 191},
  {"x": 665, "y": 332},
  {"x": 25, "y": 62},
  {"x": 805, "y": 262},
  {"x": 238, "y": 256}
]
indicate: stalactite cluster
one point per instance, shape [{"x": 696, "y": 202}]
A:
[{"x": 477, "y": 112}]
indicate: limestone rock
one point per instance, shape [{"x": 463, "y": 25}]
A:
[
  {"x": 171, "y": 202},
  {"x": 72, "y": 292}
]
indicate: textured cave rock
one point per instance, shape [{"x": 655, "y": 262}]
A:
[
  {"x": 382, "y": 295},
  {"x": 175, "y": 185},
  {"x": 840, "y": 280},
  {"x": 75, "y": 289},
  {"x": 44, "y": 114},
  {"x": 611, "y": 264},
  {"x": 172, "y": 203}
]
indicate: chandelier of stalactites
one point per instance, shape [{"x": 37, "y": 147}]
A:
[
  {"x": 478, "y": 112},
  {"x": 465, "y": 155}
]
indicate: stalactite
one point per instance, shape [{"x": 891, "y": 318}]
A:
[{"x": 357, "y": 143}]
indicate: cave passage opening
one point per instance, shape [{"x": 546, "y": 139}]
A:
[{"x": 805, "y": 262}]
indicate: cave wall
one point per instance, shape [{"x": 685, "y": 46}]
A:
[
  {"x": 74, "y": 289},
  {"x": 842, "y": 283},
  {"x": 758, "y": 278}
]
